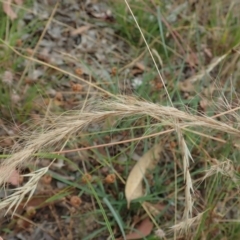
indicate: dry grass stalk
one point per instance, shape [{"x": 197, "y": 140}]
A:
[
  {"x": 16, "y": 198},
  {"x": 187, "y": 178},
  {"x": 74, "y": 122},
  {"x": 182, "y": 226}
]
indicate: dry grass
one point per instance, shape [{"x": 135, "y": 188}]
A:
[
  {"x": 56, "y": 130},
  {"x": 76, "y": 122}
]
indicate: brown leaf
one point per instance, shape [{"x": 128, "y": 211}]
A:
[
  {"x": 80, "y": 30},
  {"x": 142, "y": 230},
  {"x": 18, "y": 2},
  {"x": 192, "y": 59},
  {"x": 8, "y": 9},
  {"x": 14, "y": 177},
  {"x": 134, "y": 188}
]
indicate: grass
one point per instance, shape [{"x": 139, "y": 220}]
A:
[{"x": 117, "y": 123}]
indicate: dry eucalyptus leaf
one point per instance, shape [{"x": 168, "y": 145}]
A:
[
  {"x": 143, "y": 230},
  {"x": 80, "y": 30},
  {"x": 14, "y": 177},
  {"x": 9, "y": 11},
  {"x": 134, "y": 185},
  {"x": 7, "y": 8}
]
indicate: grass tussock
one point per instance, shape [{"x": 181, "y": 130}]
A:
[
  {"x": 76, "y": 122},
  {"x": 187, "y": 100}
]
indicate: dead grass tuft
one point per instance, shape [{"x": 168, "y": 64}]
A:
[
  {"x": 182, "y": 226},
  {"x": 225, "y": 168},
  {"x": 64, "y": 126}
]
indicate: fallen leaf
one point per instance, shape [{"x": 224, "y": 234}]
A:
[
  {"x": 39, "y": 201},
  {"x": 142, "y": 230},
  {"x": 80, "y": 30},
  {"x": 18, "y": 2},
  {"x": 192, "y": 59},
  {"x": 138, "y": 68},
  {"x": 134, "y": 187},
  {"x": 14, "y": 178},
  {"x": 204, "y": 103},
  {"x": 8, "y": 9}
]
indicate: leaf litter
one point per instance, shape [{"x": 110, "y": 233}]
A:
[{"x": 134, "y": 184}]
